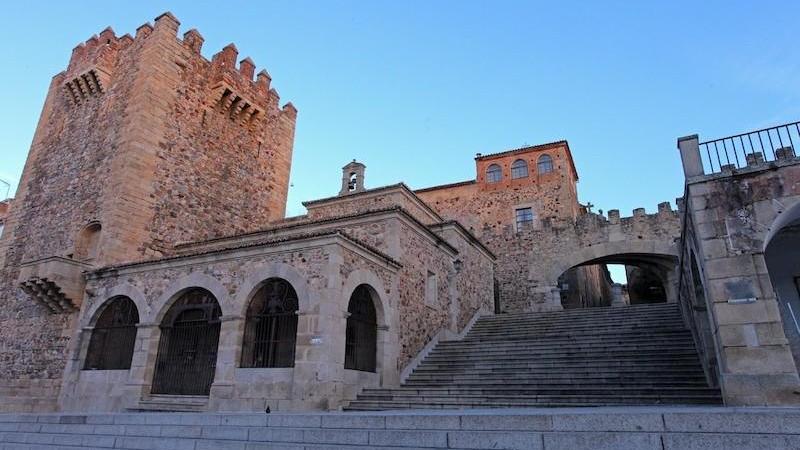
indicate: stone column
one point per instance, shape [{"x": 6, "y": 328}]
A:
[{"x": 221, "y": 397}]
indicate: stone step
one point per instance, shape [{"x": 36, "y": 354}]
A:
[
  {"x": 672, "y": 319},
  {"x": 594, "y": 312},
  {"x": 535, "y": 350},
  {"x": 563, "y": 334},
  {"x": 628, "y": 427},
  {"x": 484, "y": 378},
  {"x": 583, "y": 330},
  {"x": 619, "y": 337},
  {"x": 573, "y": 361},
  {"x": 534, "y": 390},
  {"x": 622, "y": 380}
]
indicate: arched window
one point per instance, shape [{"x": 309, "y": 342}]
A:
[
  {"x": 86, "y": 244},
  {"x": 361, "y": 336},
  {"x": 519, "y": 169},
  {"x": 494, "y": 174},
  {"x": 114, "y": 336},
  {"x": 271, "y": 326},
  {"x": 187, "y": 350},
  {"x": 544, "y": 164}
]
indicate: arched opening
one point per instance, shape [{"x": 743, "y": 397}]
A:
[
  {"x": 270, "y": 332},
  {"x": 361, "y": 335},
  {"x": 782, "y": 256},
  {"x": 519, "y": 169},
  {"x": 620, "y": 279},
  {"x": 88, "y": 242},
  {"x": 494, "y": 174},
  {"x": 544, "y": 164},
  {"x": 113, "y": 336},
  {"x": 187, "y": 350}
]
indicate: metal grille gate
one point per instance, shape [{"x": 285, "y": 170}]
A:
[
  {"x": 361, "y": 335},
  {"x": 187, "y": 350},
  {"x": 271, "y": 326}
]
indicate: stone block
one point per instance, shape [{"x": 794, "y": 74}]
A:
[
  {"x": 353, "y": 421},
  {"x": 510, "y": 440},
  {"x": 404, "y": 438},
  {"x": 225, "y": 432},
  {"x": 526, "y": 422},
  {"x": 774, "y": 421},
  {"x": 602, "y": 441},
  {"x": 330, "y": 436},
  {"x": 281, "y": 446},
  {"x": 762, "y": 360},
  {"x": 607, "y": 422},
  {"x": 760, "y": 311},
  {"x": 182, "y": 431},
  {"x": 705, "y": 441},
  {"x": 423, "y": 422},
  {"x": 205, "y": 444}
]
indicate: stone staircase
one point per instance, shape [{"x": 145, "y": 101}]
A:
[
  {"x": 640, "y": 428},
  {"x": 636, "y": 355}
]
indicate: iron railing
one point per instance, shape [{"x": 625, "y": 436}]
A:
[{"x": 754, "y": 147}]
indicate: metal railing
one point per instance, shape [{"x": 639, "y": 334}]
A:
[{"x": 747, "y": 149}]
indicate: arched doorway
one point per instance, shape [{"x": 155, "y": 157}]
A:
[
  {"x": 113, "y": 336},
  {"x": 361, "y": 335},
  {"x": 187, "y": 350},
  {"x": 646, "y": 278},
  {"x": 782, "y": 256},
  {"x": 270, "y": 330}
]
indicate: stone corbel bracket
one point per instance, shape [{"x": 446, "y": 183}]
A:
[
  {"x": 235, "y": 106},
  {"x": 57, "y": 283},
  {"x": 86, "y": 85}
]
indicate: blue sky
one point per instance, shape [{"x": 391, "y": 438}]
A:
[{"x": 415, "y": 89}]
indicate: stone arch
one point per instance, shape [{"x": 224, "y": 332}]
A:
[
  {"x": 256, "y": 277},
  {"x": 121, "y": 290},
  {"x": 612, "y": 252},
  {"x": 378, "y": 291},
  {"x": 181, "y": 285}
]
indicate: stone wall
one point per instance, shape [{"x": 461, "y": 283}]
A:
[{"x": 731, "y": 218}]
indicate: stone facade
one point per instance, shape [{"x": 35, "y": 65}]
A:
[
  {"x": 732, "y": 275},
  {"x": 147, "y": 143},
  {"x": 562, "y": 235}
]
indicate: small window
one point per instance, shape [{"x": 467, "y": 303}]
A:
[
  {"x": 545, "y": 164},
  {"x": 86, "y": 245},
  {"x": 494, "y": 174},
  {"x": 431, "y": 289},
  {"x": 524, "y": 218},
  {"x": 519, "y": 169}
]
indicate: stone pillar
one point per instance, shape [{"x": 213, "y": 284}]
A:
[
  {"x": 689, "y": 147},
  {"x": 140, "y": 378},
  {"x": 221, "y": 396}
]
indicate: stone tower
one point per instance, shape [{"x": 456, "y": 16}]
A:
[{"x": 142, "y": 143}]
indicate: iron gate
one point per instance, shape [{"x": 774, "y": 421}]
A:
[
  {"x": 187, "y": 351},
  {"x": 361, "y": 335}
]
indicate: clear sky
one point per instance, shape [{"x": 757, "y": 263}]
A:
[{"x": 415, "y": 88}]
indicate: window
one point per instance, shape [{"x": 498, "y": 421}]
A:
[
  {"x": 361, "y": 335},
  {"x": 545, "y": 164},
  {"x": 524, "y": 218},
  {"x": 431, "y": 289},
  {"x": 494, "y": 174},
  {"x": 271, "y": 326},
  {"x": 519, "y": 169},
  {"x": 113, "y": 336},
  {"x": 87, "y": 243}
]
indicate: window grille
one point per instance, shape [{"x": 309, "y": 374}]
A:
[
  {"x": 113, "y": 337},
  {"x": 524, "y": 218},
  {"x": 494, "y": 174},
  {"x": 545, "y": 164},
  {"x": 270, "y": 332},
  {"x": 519, "y": 169},
  {"x": 361, "y": 336}
]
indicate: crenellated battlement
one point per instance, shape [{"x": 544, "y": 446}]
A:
[
  {"x": 236, "y": 89},
  {"x": 664, "y": 209}
]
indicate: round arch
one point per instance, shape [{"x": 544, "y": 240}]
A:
[
  {"x": 377, "y": 289},
  {"x": 121, "y": 290},
  {"x": 256, "y": 278},
  {"x": 181, "y": 285},
  {"x": 654, "y": 252}
]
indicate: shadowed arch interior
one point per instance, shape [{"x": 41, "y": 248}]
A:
[
  {"x": 361, "y": 336},
  {"x": 114, "y": 336},
  {"x": 270, "y": 333},
  {"x": 187, "y": 351}
]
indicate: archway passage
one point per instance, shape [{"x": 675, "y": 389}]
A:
[
  {"x": 114, "y": 336},
  {"x": 361, "y": 336},
  {"x": 187, "y": 351},
  {"x": 782, "y": 256},
  {"x": 648, "y": 278},
  {"x": 271, "y": 326}
]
